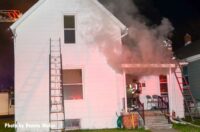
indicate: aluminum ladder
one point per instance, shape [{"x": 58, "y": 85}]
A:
[
  {"x": 56, "y": 93},
  {"x": 190, "y": 104}
]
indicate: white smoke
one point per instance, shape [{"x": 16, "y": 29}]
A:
[{"x": 142, "y": 45}]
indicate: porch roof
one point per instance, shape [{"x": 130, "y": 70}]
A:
[{"x": 127, "y": 66}]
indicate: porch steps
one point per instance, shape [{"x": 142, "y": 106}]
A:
[{"x": 155, "y": 119}]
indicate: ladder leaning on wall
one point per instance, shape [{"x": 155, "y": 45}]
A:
[
  {"x": 56, "y": 96},
  {"x": 190, "y": 104}
]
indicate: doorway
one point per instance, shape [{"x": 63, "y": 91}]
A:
[{"x": 133, "y": 91}]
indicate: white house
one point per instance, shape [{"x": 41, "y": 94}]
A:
[
  {"x": 93, "y": 92},
  {"x": 7, "y": 104}
]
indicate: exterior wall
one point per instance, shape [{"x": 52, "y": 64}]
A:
[
  {"x": 194, "y": 72},
  {"x": 102, "y": 87},
  {"x": 153, "y": 88},
  {"x": 176, "y": 102}
]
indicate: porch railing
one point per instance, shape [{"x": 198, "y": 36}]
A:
[
  {"x": 140, "y": 110},
  {"x": 164, "y": 107}
]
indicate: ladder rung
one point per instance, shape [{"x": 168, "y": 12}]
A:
[
  {"x": 56, "y": 96},
  {"x": 56, "y": 103},
  {"x": 56, "y": 129},
  {"x": 56, "y": 81},
  {"x": 55, "y": 51},
  {"x": 55, "y": 56},
  {"x": 186, "y": 95},
  {"x": 57, "y": 120},
  {"x": 189, "y": 101},
  {"x": 54, "y": 45},
  {"x": 55, "y": 68},
  {"x": 55, "y": 75},
  {"x": 57, "y": 112},
  {"x": 56, "y": 89},
  {"x": 186, "y": 87}
]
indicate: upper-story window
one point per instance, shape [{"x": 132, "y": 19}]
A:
[{"x": 69, "y": 29}]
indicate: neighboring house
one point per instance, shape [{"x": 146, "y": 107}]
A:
[
  {"x": 6, "y": 103},
  {"x": 191, "y": 54},
  {"x": 93, "y": 91}
]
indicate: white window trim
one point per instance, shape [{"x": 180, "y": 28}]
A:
[
  {"x": 75, "y": 27},
  {"x": 193, "y": 58},
  {"x": 83, "y": 80}
]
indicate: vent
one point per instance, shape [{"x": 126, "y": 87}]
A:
[{"x": 72, "y": 124}]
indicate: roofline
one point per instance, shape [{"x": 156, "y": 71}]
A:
[
  {"x": 167, "y": 65},
  {"x": 40, "y": 2},
  {"x": 107, "y": 12},
  {"x": 26, "y": 15},
  {"x": 193, "y": 58}
]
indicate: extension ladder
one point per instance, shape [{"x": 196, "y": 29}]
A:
[
  {"x": 56, "y": 101},
  {"x": 190, "y": 104}
]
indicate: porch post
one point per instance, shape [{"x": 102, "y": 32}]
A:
[
  {"x": 125, "y": 94},
  {"x": 171, "y": 91}
]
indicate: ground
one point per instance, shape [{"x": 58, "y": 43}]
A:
[{"x": 177, "y": 128}]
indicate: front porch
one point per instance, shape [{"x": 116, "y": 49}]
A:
[{"x": 152, "y": 93}]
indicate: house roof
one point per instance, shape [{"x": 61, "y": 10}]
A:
[
  {"x": 26, "y": 14},
  {"x": 40, "y": 2},
  {"x": 189, "y": 50}
]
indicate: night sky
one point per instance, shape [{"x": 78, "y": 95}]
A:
[{"x": 184, "y": 15}]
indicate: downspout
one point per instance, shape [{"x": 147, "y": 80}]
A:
[{"x": 124, "y": 32}]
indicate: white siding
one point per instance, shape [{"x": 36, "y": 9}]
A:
[
  {"x": 153, "y": 88},
  {"x": 176, "y": 102},
  {"x": 101, "y": 85}
]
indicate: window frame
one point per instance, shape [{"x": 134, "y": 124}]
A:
[
  {"x": 74, "y": 29},
  {"x": 74, "y": 84}
]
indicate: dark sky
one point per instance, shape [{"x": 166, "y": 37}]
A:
[{"x": 184, "y": 15}]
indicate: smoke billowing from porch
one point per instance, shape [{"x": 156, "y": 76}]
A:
[{"x": 142, "y": 45}]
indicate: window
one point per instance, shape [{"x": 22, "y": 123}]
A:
[
  {"x": 164, "y": 87},
  {"x": 163, "y": 84},
  {"x": 72, "y": 124},
  {"x": 69, "y": 29},
  {"x": 72, "y": 83}
]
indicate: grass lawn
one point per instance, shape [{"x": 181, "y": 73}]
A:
[
  {"x": 113, "y": 130},
  {"x": 186, "y": 128},
  {"x": 2, "y": 126}
]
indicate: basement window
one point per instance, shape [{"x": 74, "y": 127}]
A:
[
  {"x": 72, "y": 83},
  {"x": 72, "y": 124},
  {"x": 69, "y": 29}
]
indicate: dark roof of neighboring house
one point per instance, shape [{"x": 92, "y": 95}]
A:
[{"x": 189, "y": 50}]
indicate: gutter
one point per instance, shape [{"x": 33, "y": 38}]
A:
[{"x": 124, "y": 33}]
